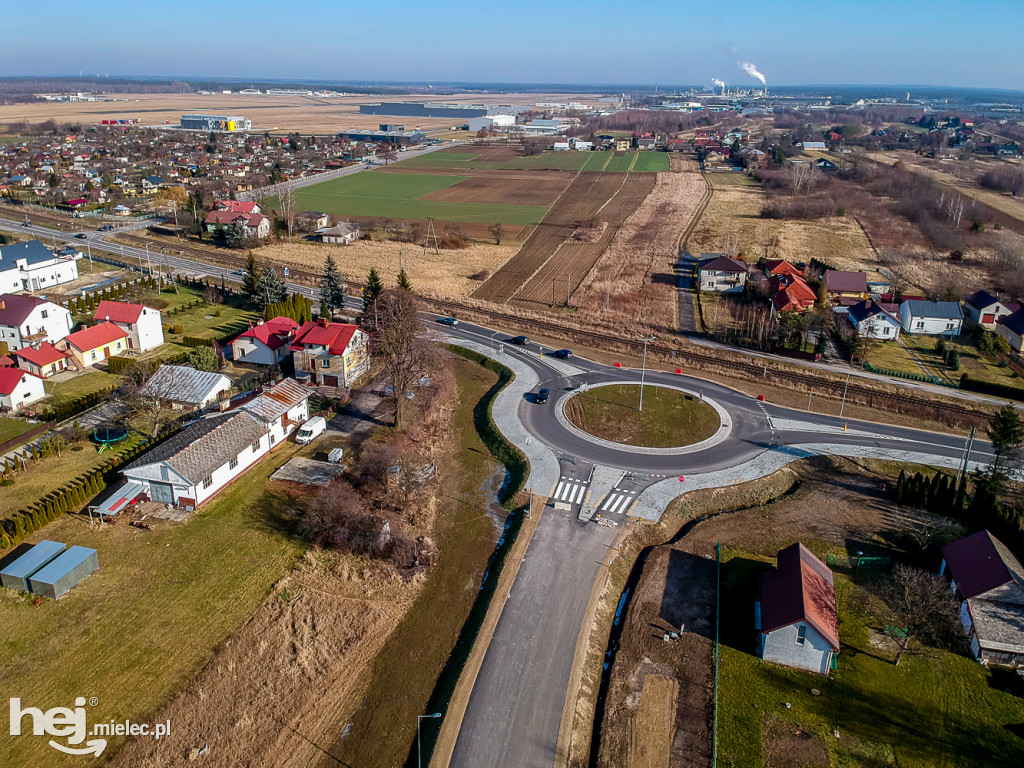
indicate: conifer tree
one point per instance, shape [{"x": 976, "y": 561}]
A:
[
  {"x": 373, "y": 286},
  {"x": 901, "y": 483},
  {"x": 332, "y": 287},
  {"x": 403, "y": 281}
]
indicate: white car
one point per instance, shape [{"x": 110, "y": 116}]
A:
[{"x": 311, "y": 430}]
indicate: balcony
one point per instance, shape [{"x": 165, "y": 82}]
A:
[{"x": 39, "y": 335}]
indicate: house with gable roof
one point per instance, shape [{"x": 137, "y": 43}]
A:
[
  {"x": 142, "y": 325},
  {"x": 31, "y": 266},
  {"x": 44, "y": 360},
  {"x": 721, "y": 274},
  {"x": 265, "y": 343},
  {"x": 19, "y": 388},
  {"x": 28, "y": 320},
  {"x": 330, "y": 354},
  {"x": 987, "y": 310},
  {"x": 796, "y": 616},
  {"x": 95, "y": 344}
]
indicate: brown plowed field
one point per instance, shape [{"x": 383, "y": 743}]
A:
[
  {"x": 485, "y": 173},
  {"x": 489, "y": 189},
  {"x": 612, "y": 200}
]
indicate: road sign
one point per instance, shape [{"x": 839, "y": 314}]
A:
[{"x": 682, "y": 479}]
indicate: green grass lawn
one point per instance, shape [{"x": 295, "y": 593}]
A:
[
  {"x": 623, "y": 162},
  {"x": 936, "y": 710},
  {"x": 669, "y": 418},
  {"x": 143, "y": 625},
  {"x": 652, "y": 161},
  {"x": 598, "y": 161},
  {"x": 11, "y": 428},
  {"x": 397, "y": 196},
  {"x": 86, "y": 383}
]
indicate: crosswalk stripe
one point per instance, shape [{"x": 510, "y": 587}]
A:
[
  {"x": 615, "y": 504},
  {"x": 579, "y": 494},
  {"x": 558, "y": 490}
]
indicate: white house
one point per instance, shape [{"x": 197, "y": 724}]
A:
[
  {"x": 721, "y": 274},
  {"x": 143, "y": 325},
  {"x": 19, "y": 388},
  {"x": 32, "y": 267},
  {"x": 342, "y": 233},
  {"x": 986, "y": 310},
  {"x": 796, "y": 616},
  {"x": 265, "y": 343},
  {"x": 1011, "y": 328},
  {"x": 27, "y": 320},
  {"x": 185, "y": 389},
  {"x": 191, "y": 467},
  {"x": 875, "y": 321},
  {"x": 989, "y": 581},
  {"x": 934, "y": 318}
]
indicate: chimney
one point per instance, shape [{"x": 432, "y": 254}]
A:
[
  {"x": 322, "y": 322},
  {"x": 260, "y": 321}
]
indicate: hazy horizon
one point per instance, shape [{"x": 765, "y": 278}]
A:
[{"x": 873, "y": 43}]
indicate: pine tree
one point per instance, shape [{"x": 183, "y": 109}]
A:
[
  {"x": 272, "y": 290},
  {"x": 251, "y": 278},
  {"x": 373, "y": 286},
  {"x": 901, "y": 487},
  {"x": 403, "y": 280},
  {"x": 5, "y": 542},
  {"x": 325, "y": 310},
  {"x": 332, "y": 287},
  {"x": 19, "y": 526}
]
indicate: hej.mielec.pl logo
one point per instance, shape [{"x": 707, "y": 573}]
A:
[{"x": 72, "y": 725}]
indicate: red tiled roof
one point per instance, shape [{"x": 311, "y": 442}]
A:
[
  {"x": 980, "y": 562},
  {"x": 334, "y": 336},
  {"x": 46, "y": 354},
  {"x": 97, "y": 336},
  {"x": 800, "y": 589},
  {"x": 11, "y": 378},
  {"x": 236, "y": 206},
  {"x": 225, "y": 217},
  {"x": 780, "y": 267},
  {"x": 15, "y": 308},
  {"x": 791, "y": 293},
  {"x": 274, "y": 333},
  {"x": 118, "y": 312}
]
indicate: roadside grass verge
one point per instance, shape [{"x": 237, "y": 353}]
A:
[{"x": 143, "y": 625}]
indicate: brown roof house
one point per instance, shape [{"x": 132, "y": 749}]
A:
[
  {"x": 796, "y": 617},
  {"x": 989, "y": 581},
  {"x": 846, "y": 285}
]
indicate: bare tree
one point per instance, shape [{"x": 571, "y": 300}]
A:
[
  {"x": 400, "y": 345},
  {"x": 923, "y": 606},
  {"x": 496, "y": 230},
  {"x": 386, "y": 152},
  {"x": 146, "y": 396},
  {"x": 286, "y": 202}
]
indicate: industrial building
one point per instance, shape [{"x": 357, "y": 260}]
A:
[
  {"x": 492, "y": 123},
  {"x": 420, "y": 109},
  {"x": 225, "y": 123},
  {"x": 385, "y": 136}
]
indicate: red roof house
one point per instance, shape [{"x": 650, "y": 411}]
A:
[
  {"x": 95, "y": 344},
  {"x": 791, "y": 293},
  {"x": 265, "y": 343},
  {"x": 44, "y": 362},
  {"x": 332, "y": 354}
]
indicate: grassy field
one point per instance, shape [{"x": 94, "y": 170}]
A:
[
  {"x": 936, "y": 710},
  {"x": 86, "y": 383},
  {"x": 652, "y": 161},
  {"x": 623, "y": 162},
  {"x": 598, "y": 161},
  {"x": 140, "y": 627},
  {"x": 548, "y": 161},
  {"x": 670, "y": 418},
  {"x": 398, "y": 196},
  {"x": 11, "y": 428}
]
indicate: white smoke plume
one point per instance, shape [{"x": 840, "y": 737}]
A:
[
  {"x": 751, "y": 70},
  {"x": 718, "y": 83}
]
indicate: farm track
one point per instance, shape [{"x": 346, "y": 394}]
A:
[{"x": 950, "y": 413}]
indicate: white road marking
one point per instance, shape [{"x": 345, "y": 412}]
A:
[{"x": 571, "y": 492}]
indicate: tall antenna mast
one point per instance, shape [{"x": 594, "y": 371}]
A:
[{"x": 431, "y": 233}]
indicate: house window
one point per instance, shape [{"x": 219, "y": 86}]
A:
[
  {"x": 163, "y": 473},
  {"x": 920, "y": 324},
  {"x": 273, "y": 439},
  {"x": 325, "y": 363},
  {"x": 45, "y": 314},
  {"x": 92, "y": 355},
  {"x": 801, "y": 634},
  {"x": 256, "y": 445},
  {"x": 233, "y": 463},
  {"x": 949, "y": 326},
  {"x": 207, "y": 481}
]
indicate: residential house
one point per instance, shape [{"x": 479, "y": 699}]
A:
[
  {"x": 796, "y": 616},
  {"x": 721, "y": 274},
  {"x": 790, "y": 293},
  {"x": 989, "y": 581},
  {"x": 936, "y": 318},
  {"x": 19, "y": 388},
  {"x": 341, "y": 233},
  {"x": 95, "y": 344},
  {"x": 311, "y": 221},
  {"x": 254, "y": 225},
  {"x": 987, "y": 310},
  {"x": 845, "y": 285},
  {"x": 330, "y": 354},
  {"x": 238, "y": 206},
  {"x": 280, "y": 407},
  {"x": 44, "y": 360},
  {"x": 143, "y": 325},
  {"x": 185, "y": 389},
  {"x": 266, "y": 343},
  {"x": 873, "y": 320},
  {"x": 1011, "y": 328},
  {"x": 773, "y": 267},
  {"x": 30, "y": 266},
  {"x": 151, "y": 183},
  {"x": 20, "y": 180},
  {"x": 28, "y": 320},
  {"x": 818, "y": 146}
]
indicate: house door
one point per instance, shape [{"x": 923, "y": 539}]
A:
[
  {"x": 106, "y": 352},
  {"x": 161, "y": 492},
  {"x": 130, "y": 345}
]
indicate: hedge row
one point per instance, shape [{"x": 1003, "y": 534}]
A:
[
  {"x": 83, "y": 304},
  {"x": 65, "y": 411},
  {"x": 196, "y": 341},
  {"x": 991, "y": 388},
  {"x": 902, "y": 374},
  {"x": 483, "y": 418}
]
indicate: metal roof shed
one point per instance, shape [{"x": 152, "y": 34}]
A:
[
  {"x": 65, "y": 572},
  {"x": 16, "y": 574}
]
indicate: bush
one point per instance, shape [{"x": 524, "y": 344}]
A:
[
  {"x": 177, "y": 329},
  {"x": 196, "y": 341},
  {"x": 991, "y": 388}
]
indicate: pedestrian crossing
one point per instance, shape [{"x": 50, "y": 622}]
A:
[
  {"x": 570, "y": 491},
  {"x": 618, "y": 501}
]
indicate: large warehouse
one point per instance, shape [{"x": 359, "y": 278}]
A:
[
  {"x": 384, "y": 137},
  {"x": 420, "y": 109},
  {"x": 226, "y": 123}
]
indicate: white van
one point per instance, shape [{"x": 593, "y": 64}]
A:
[{"x": 311, "y": 430}]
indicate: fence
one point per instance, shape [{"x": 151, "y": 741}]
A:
[{"x": 26, "y": 437}]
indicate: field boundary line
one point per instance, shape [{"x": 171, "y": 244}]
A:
[{"x": 451, "y": 725}]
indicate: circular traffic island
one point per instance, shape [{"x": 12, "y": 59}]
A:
[{"x": 670, "y": 417}]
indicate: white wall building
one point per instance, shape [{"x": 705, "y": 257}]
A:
[
  {"x": 721, "y": 274},
  {"x": 32, "y": 267},
  {"x": 27, "y": 320},
  {"x": 19, "y": 388},
  {"x": 143, "y": 325},
  {"x": 933, "y": 318}
]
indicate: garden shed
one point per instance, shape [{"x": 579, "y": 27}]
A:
[
  {"x": 16, "y": 574},
  {"x": 63, "y": 573}
]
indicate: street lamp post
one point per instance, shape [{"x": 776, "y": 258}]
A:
[
  {"x": 643, "y": 369},
  {"x": 419, "y": 757}
]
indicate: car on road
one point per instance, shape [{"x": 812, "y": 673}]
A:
[
  {"x": 562, "y": 354},
  {"x": 106, "y": 228},
  {"x": 448, "y": 320},
  {"x": 542, "y": 395},
  {"x": 239, "y": 271},
  {"x": 77, "y": 215},
  {"x": 81, "y": 235},
  {"x": 520, "y": 340}
]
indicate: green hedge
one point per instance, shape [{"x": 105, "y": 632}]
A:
[
  {"x": 991, "y": 388},
  {"x": 483, "y": 419},
  {"x": 196, "y": 341},
  {"x": 905, "y": 375},
  {"x": 65, "y": 411}
]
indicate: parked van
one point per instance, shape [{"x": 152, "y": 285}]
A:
[{"x": 311, "y": 430}]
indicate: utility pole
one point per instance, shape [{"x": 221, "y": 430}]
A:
[
  {"x": 149, "y": 264},
  {"x": 643, "y": 368},
  {"x": 843, "y": 405},
  {"x": 968, "y": 445}
]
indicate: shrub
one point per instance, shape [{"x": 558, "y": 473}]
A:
[{"x": 178, "y": 329}]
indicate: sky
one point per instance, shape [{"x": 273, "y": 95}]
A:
[{"x": 878, "y": 42}]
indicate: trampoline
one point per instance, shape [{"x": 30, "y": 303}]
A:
[{"x": 111, "y": 435}]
